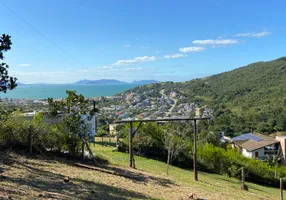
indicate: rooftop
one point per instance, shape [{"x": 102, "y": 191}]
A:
[{"x": 253, "y": 141}]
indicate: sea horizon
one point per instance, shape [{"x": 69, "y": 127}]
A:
[{"x": 56, "y": 91}]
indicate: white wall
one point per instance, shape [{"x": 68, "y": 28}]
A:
[
  {"x": 251, "y": 154},
  {"x": 246, "y": 153},
  {"x": 260, "y": 152}
]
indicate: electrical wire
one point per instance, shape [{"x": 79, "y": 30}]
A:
[{"x": 43, "y": 35}]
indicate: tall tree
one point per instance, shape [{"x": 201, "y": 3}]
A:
[
  {"x": 174, "y": 143},
  {"x": 6, "y": 82},
  {"x": 75, "y": 127}
]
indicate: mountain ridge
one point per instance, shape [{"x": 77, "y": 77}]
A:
[
  {"x": 114, "y": 81},
  {"x": 254, "y": 85}
]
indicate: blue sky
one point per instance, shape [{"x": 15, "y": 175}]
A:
[{"x": 62, "y": 41}]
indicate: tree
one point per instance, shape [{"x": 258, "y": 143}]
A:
[
  {"x": 174, "y": 142},
  {"x": 6, "y": 82},
  {"x": 74, "y": 126}
]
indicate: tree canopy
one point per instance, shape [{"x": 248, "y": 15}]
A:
[{"x": 6, "y": 82}]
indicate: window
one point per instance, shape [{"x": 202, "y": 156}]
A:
[{"x": 256, "y": 154}]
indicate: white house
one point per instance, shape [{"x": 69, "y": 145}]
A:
[{"x": 255, "y": 145}]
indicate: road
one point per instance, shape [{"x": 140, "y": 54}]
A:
[{"x": 173, "y": 106}]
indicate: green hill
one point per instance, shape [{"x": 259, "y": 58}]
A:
[
  {"x": 255, "y": 85},
  {"x": 255, "y": 92}
]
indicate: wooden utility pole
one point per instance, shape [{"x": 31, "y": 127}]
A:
[
  {"x": 93, "y": 139},
  {"x": 82, "y": 149},
  {"x": 242, "y": 176},
  {"x": 195, "y": 151},
  {"x": 30, "y": 140},
  {"x": 130, "y": 146},
  {"x": 281, "y": 189}
]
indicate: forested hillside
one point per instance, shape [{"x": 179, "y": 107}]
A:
[
  {"x": 258, "y": 84},
  {"x": 248, "y": 97}
]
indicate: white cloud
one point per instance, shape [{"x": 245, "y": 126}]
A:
[
  {"x": 107, "y": 67},
  {"x": 24, "y": 65},
  {"x": 83, "y": 70},
  {"x": 215, "y": 42},
  {"x": 257, "y": 35},
  {"x": 138, "y": 69},
  {"x": 178, "y": 55},
  {"x": 104, "y": 67},
  {"x": 136, "y": 60},
  {"x": 191, "y": 49},
  {"x": 127, "y": 45}
]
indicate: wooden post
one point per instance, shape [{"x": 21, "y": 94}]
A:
[
  {"x": 195, "y": 152},
  {"x": 242, "y": 176},
  {"x": 117, "y": 142},
  {"x": 93, "y": 139},
  {"x": 168, "y": 163},
  {"x": 281, "y": 189},
  {"x": 130, "y": 147},
  {"x": 30, "y": 140},
  {"x": 82, "y": 149}
]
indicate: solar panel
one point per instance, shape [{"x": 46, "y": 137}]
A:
[
  {"x": 247, "y": 136},
  {"x": 253, "y": 137}
]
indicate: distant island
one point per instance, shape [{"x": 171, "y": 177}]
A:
[
  {"x": 145, "y": 82},
  {"x": 113, "y": 81},
  {"x": 101, "y": 81}
]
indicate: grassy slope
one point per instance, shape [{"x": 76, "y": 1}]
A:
[
  {"x": 210, "y": 186},
  {"x": 34, "y": 178}
]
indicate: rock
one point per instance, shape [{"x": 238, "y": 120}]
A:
[
  {"x": 66, "y": 179},
  {"x": 191, "y": 196},
  {"x": 244, "y": 187},
  {"x": 3, "y": 177}
]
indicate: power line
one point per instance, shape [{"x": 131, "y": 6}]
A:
[{"x": 40, "y": 33}]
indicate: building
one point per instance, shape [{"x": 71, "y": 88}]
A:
[{"x": 258, "y": 146}]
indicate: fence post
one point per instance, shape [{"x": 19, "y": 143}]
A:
[
  {"x": 82, "y": 149},
  {"x": 281, "y": 189},
  {"x": 30, "y": 140},
  {"x": 242, "y": 176},
  {"x": 195, "y": 151}
]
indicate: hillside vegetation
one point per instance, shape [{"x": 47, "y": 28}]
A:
[
  {"x": 255, "y": 85},
  {"x": 251, "y": 86},
  {"x": 251, "y": 94}
]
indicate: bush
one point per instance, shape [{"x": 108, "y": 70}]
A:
[{"x": 220, "y": 161}]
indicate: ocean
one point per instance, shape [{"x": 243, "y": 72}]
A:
[{"x": 59, "y": 90}]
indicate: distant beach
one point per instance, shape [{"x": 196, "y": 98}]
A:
[{"x": 59, "y": 90}]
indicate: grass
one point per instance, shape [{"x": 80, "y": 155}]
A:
[
  {"x": 210, "y": 186},
  {"x": 42, "y": 177}
]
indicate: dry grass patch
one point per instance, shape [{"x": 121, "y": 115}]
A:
[
  {"x": 33, "y": 178},
  {"x": 54, "y": 178}
]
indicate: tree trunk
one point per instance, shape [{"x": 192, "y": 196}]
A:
[
  {"x": 82, "y": 149},
  {"x": 168, "y": 162}
]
